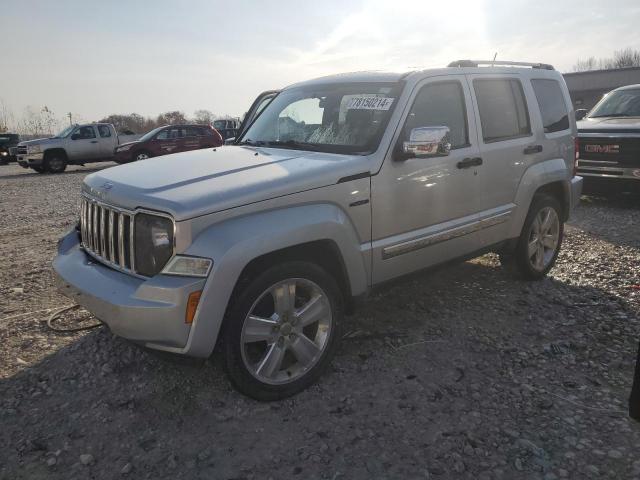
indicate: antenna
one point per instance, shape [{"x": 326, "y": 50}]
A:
[{"x": 495, "y": 55}]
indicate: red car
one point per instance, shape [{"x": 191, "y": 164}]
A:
[{"x": 168, "y": 139}]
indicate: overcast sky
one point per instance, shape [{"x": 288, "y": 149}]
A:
[{"x": 96, "y": 58}]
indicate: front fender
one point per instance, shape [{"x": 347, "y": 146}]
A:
[
  {"x": 536, "y": 176},
  {"x": 233, "y": 243}
]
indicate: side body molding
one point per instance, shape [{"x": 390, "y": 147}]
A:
[
  {"x": 233, "y": 243},
  {"x": 536, "y": 176}
]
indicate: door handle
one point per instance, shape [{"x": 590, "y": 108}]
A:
[
  {"x": 94, "y": 141},
  {"x": 532, "y": 149},
  {"x": 469, "y": 162}
]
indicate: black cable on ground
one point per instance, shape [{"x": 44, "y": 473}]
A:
[{"x": 55, "y": 315}]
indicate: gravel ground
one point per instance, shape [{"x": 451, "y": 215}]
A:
[{"x": 460, "y": 373}]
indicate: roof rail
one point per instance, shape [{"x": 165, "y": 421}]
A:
[{"x": 477, "y": 63}]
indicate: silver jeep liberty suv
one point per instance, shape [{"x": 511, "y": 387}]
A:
[{"x": 340, "y": 184}]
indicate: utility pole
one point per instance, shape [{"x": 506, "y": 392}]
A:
[{"x": 69, "y": 115}]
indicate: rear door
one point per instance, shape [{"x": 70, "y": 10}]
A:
[
  {"x": 106, "y": 141},
  {"x": 507, "y": 145}
]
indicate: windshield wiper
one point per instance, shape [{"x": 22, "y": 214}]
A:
[
  {"x": 613, "y": 115},
  {"x": 294, "y": 144},
  {"x": 251, "y": 143}
]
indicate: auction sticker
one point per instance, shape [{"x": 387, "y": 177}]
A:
[{"x": 369, "y": 103}]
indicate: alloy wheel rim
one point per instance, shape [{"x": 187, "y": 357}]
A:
[
  {"x": 543, "y": 238},
  {"x": 286, "y": 331},
  {"x": 142, "y": 156}
]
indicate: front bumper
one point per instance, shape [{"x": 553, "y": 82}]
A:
[
  {"x": 147, "y": 311},
  {"x": 31, "y": 160}
]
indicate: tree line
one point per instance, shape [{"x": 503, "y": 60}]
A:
[
  {"x": 42, "y": 122},
  {"x": 627, "y": 57}
]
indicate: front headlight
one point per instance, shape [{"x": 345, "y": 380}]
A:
[
  {"x": 153, "y": 243},
  {"x": 34, "y": 148},
  {"x": 123, "y": 149},
  {"x": 4, "y": 154}
]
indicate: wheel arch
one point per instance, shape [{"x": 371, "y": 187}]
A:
[
  {"x": 550, "y": 177},
  {"x": 50, "y": 151},
  {"x": 321, "y": 233}
]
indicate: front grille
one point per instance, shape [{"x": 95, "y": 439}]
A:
[
  {"x": 22, "y": 150},
  {"x": 107, "y": 233},
  {"x": 625, "y": 151}
]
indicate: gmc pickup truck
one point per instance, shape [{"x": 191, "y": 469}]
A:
[
  {"x": 609, "y": 141},
  {"x": 76, "y": 144}
]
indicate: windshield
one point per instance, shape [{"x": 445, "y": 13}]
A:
[
  {"x": 149, "y": 135},
  {"x": 621, "y": 103},
  {"x": 337, "y": 118},
  {"x": 220, "y": 124},
  {"x": 65, "y": 132}
]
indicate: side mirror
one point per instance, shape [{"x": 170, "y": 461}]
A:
[
  {"x": 427, "y": 142},
  {"x": 581, "y": 113},
  {"x": 230, "y": 141},
  {"x": 75, "y": 136}
]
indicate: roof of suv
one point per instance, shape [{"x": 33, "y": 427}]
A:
[{"x": 461, "y": 66}]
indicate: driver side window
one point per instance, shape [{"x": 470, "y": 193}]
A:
[
  {"x": 84, "y": 133},
  {"x": 440, "y": 104}
]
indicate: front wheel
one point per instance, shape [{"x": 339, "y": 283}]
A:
[
  {"x": 539, "y": 243},
  {"x": 141, "y": 156},
  {"x": 40, "y": 169},
  {"x": 281, "y": 330},
  {"x": 55, "y": 163}
]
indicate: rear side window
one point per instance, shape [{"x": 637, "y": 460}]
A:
[
  {"x": 104, "y": 131},
  {"x": 195, "y": 132},
  {"x": 555, "y": 116},
  {"x": 502, "y": 108},
  {"x": 440, "y": 104}
]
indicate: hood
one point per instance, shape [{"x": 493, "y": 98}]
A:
[
  {"x": 195, "y": 183},
  {"x": 610, "y": 124},
  {"x": 124, "y": 144},
  {"x": 40, "y": 141}
]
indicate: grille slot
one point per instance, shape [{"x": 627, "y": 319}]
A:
[
  {"x": 107, "y": 234},
  {"x": 22, "y": 150}
]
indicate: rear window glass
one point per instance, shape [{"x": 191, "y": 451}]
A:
[
  {"x": 555, "y": 116},
  {"x": 502, "y": 108}
]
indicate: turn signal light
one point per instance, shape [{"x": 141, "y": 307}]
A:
[{"x": 192, "y": 306}]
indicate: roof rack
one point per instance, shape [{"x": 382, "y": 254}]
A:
[{"x": 477, "y": 63}]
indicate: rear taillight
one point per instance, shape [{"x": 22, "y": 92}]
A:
[{"x": 576, "y": 147}]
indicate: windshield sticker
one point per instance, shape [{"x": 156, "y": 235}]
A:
[{"x": 369, "y": 103}]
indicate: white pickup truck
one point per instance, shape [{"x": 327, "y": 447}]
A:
[{"x": 76, "y": 144}]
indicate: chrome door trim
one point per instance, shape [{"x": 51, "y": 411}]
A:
[{"x": 444, "y": 235}]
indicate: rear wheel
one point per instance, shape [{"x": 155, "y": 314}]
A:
[
  {"x": 142, "y": 155},
  {"x": 282, "y": 330},
  {"x": 539, "y": 243},
  {"x": 55, "y": 162}
]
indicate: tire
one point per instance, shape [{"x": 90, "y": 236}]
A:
[
  {"x": 140, "y": 155},
  {"x": 538, "y": 245},
  {"x": 272, "y": 350},
  {"x": 40, "y": 169},
  {"x": 55, "y": 163}
]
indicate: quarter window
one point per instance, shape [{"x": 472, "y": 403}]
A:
[
  {"x": 440, "y": 104},
  {"x": 104, "y": 131},
  {"x": 502, "y": 108},
  {"x": 555, "y": 116}
]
